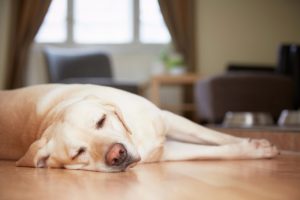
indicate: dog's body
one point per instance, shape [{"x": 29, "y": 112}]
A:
[{"x": 104, "y": 129}]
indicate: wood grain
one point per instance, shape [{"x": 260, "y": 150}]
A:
[{"x": 249, "y": 179}]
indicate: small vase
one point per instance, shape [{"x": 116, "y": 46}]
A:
[{"x": 177, "y": 70}]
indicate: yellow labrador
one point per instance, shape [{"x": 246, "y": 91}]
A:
[{"x": 105, "y": 129}]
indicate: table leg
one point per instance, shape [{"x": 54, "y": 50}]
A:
[{"x": 155, "y": 97}]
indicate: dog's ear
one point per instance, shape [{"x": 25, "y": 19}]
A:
[
  {"x": 33, "y": 157},
  {"x": 120, "y": 116},
  {"x": 113, "y": 108},
  {"x": 118, "y": 112}
]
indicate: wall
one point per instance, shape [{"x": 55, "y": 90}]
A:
[
  {"x": 243, "y": 31},
  {"x": 4, "y": 28}
]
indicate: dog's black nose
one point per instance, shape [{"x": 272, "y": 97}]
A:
[{"x": 116, "y": 155}]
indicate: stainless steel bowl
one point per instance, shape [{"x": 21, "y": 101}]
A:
[
  {"x": 247, "y": 119},
  {"x": 289, "y": 118}
]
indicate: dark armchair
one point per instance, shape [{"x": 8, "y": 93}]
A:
[
  {"x": 236, "y": 92},
  {"x": 83, "y": 66},
  {"x": 252, "y": 88}
]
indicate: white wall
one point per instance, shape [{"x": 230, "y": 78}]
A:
[
  {"x": 243, "y": 31},
  {"x": 4, "y": 30}
]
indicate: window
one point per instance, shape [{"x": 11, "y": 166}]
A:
[
  {"x": 54, "y": 27},
  {"x": 152, "y": 27},
  {"x": 104, "y": 22}
]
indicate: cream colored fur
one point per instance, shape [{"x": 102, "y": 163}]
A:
[{"x": 46, "y": 125}]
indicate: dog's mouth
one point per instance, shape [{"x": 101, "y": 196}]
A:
[
  {"x": 118, "y": 158},
  {"x": 130, "y": 162}
]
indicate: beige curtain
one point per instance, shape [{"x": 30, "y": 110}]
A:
[
  {"x": 27, "y": 17},
  {"x": 179, "y": 16}
]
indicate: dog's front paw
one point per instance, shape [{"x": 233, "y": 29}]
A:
[{"x": 259, "y": 148}]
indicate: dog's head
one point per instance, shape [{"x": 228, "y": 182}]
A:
[{"x": 83, "y": 134}]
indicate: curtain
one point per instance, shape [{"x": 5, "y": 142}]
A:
[
  {"x": 27, "y": 17},
  {"x": 179, "y": 16}
]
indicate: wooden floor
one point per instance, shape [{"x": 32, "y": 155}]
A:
[{"x": 259, "y": 179}]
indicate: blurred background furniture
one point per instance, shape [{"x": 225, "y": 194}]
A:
[
  {"x": 85, "y": 66},
  {"x": 238, "y": 92},
  {"x": 289, "y": 64},
  {"x": 251, "y": 88},
  {"x": 158, "y": 81}
]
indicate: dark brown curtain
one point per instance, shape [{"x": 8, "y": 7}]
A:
[
  {"x": 27, "y": 17},
  {"x": 179, "y": 16}
]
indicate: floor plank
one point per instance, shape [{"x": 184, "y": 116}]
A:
[{"x": 255, "y": 179}]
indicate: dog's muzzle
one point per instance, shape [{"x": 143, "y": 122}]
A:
[{"x": 117, "y": 157}]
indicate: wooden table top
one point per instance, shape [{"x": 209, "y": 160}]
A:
[
  {"x": 249, "y": 179},
  {"x": 175, "y": 79}
]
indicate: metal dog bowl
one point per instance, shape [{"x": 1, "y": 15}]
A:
[
  {"x": 289, "y": 118},
  {"x": 247, "y": 119}
]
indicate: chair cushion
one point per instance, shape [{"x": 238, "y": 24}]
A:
[{"x": 75, "y": 63}]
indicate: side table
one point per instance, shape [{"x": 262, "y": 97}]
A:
[{"x": 158, "y": 81}]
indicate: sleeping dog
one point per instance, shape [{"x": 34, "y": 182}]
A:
[{"x": 104, "y": 129}]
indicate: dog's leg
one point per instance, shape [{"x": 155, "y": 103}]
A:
[
  {"x": 248, "y": 149},
  {"x": 182, "y": 129}
]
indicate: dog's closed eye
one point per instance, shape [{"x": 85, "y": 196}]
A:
[
  {"x": 79, "y": 152},
  {"x": 101, "y": 122}
]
